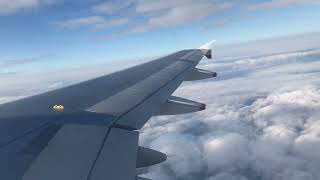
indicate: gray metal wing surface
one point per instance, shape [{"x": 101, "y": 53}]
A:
[{"x": 90, "y": 131}]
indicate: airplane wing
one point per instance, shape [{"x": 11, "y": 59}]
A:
[{"x": 90, "y": 131}]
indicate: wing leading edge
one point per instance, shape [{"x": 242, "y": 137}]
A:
[{"x": 95, "y": 136}]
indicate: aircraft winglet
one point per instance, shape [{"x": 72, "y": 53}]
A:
[
  {"x": 208, "y": 48},
  {"x": 208, "y": 45}
]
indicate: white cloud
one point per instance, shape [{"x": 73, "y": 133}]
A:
[
  {"x": 226, "y": 150},
  {"x": 147, "y": 15},
  {"x": 185, "y": 13},
  {"x": 280, "y": 4},
  {"x": 5, "y": 64},
  {"x": 110, "y": 7},
  {"x": 190, "y": 147},
  {"x": 152, "y": 6},
  {"x": 177, "y": 12},
  {"x": 226, "y": 176},
  {"x": 12, "y": 6},
  {"x": 98, "y": 22}
]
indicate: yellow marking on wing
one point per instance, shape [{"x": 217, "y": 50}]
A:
[{"x": 58, "y": 107}]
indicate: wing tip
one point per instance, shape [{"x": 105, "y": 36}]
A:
[{"x": 208, "y": 45}]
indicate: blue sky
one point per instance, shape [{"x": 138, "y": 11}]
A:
[{"x": 40, "y": 35}]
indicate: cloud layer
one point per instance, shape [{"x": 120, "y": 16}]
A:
[
  {"x": 97, "y": 21},
  {"x": 146, "y": 15},
  {"x": 262, "y": 122},
  {"x": 280, "y": 4},
  {"x": 12, "y": 6}
]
